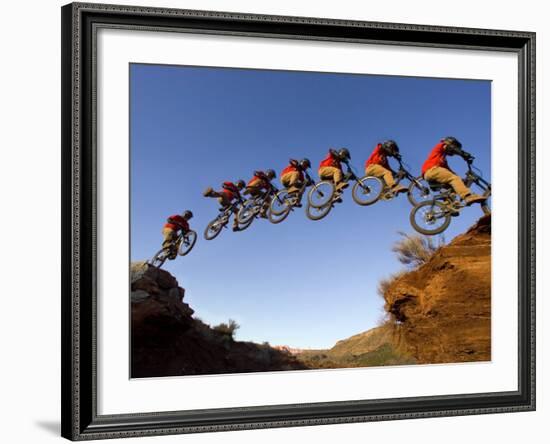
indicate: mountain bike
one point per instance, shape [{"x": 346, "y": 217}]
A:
[
  {"x": 322, "y": 196},
  {"x": 433, "y": 216},
  {"x": 364, "y": 191},
  {"x": 181, "y": 245},
  {"x": 252, "y": 207},
  {"x": 214, "y": 227},
  {"x": 283, "y": 203}
]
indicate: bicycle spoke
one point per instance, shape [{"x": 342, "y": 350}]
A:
[
  {"x": 431, "y": 217},
  {"x": 367, "y": 190}
]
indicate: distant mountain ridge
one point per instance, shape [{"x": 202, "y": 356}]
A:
[{"x": 373, "y": 347}]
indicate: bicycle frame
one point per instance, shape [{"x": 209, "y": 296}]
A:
[
  {"x": 305, "y": 183},
  {"x": 259, "y": 200},
  {"x": 228, "y": 211},
  {"x": 350, "y": 174},
  {"x": 403, "y": 173},
  {"x": 471, "y": 178}
]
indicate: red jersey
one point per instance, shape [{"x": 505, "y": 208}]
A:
[
  {"x": 330, "y": 161},
  {"x": 292, "y": 169},
  {"x": 258, "y": 181},
  {"x": 177, "y": 223},
  {"x": 378, "y": 157},
  {"x": 437, "y": 158},
  {"x": 230, "y": 191}
]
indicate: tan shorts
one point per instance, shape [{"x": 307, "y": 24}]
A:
[
  {"x": 291, "y": 180},
  {"x": 445, "y": 176},
  {"x": 169, "y": 236},
  {"x": 380, "y": 172},
  {"x": 331, "y": 173}
]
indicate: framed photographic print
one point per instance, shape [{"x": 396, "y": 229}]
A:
[{"x": 280, "y": 221}]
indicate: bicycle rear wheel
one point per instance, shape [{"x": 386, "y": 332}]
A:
[
  {"x": 187, "y": 243},
  {"x": 419, "y": 191},
  {"x": 246, "y": 213},
  {"x": 314, "y": 213},
  {"x": 430, "y": 218},
  {"x": 367, "y": 190}
]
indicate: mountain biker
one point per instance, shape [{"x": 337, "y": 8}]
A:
[
  {"x": 260, "y": 184},
  {"x": 436, "y": 169},
  {"x": 292, "y": 177},
  {"x": 173, "y": 225},
  {"x": 377, "y": 164},
  {"x": 227, "y": 196},
  {"x": 330, "y": 167}
]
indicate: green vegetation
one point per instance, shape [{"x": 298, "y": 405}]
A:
[
  {"x": 374, "y": 347},
  {"x": 228, "y": 329}
]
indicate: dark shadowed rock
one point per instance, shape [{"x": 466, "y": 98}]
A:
[{"x": 168, "y": 341}]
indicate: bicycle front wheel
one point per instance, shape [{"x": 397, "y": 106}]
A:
[
  {"x": 430, "y": 218},
  {"x": 314, "y": 213},
  {"x": 367, "y": 190},
  {"x": 187, "y": 243},
  {"x": 247, "y": 212},
  {"x": 279, "y": 208},
  {"x": 486, "y": 206},
  {"x": 321, "y": 194},
  {"x": 280, "y": 203}
]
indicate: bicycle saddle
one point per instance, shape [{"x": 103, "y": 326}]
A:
[{"x": 435, "y": 186}]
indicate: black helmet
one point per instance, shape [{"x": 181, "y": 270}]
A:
[
  {"x": 452, "y": 141},
  {"x": 240, "y": 184},
  {"x": 390, "y": 147},
  {"x": 305, "y": 163},
  {"x": 270, "y": 174},
  {"x": 343, "y": 153},
  {"x": 187, "y": 214}
]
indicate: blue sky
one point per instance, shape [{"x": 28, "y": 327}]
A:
[{"x": 299, "y": 283}]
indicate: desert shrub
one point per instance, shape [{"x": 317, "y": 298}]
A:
[
  {"x": 414, "y": 250},
  {"x": 228, "y": 329}
]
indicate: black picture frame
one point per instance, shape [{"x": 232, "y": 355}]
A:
[{"x": 79, "y": 386}]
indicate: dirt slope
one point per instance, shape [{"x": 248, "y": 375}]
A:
[
  {"x": 442, "y": 310},
  {"x": 168, "y": 341},
  {"x": 373, "y": 347},
  {"x": 365, "y": 342}
]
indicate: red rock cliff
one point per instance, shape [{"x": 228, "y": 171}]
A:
[{"x": 443, "y": 308}]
